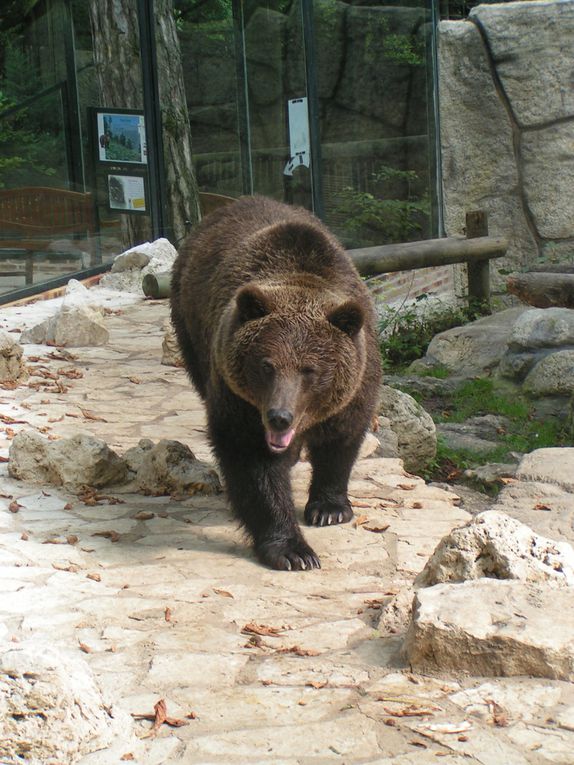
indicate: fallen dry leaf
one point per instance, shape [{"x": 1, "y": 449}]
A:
[
  {"x": 298, "y": 651},
  {"x": 541, "y": 506},
  {"x": 144, "y": 515},
  {"x": 413, "y": 710},
  {"x": 361, "y": 505},
  {"x": 127, "y": 756},
  {"x": 4, "y": 459},
  {"x": 134, "y": 380},
  {"x": 70, "y": 567},
  {"x": 91, "y": 416},
  {"x": 160, "y": 717},
  {"x": 85, "y": 648},
  {"x": 113, "y": 536},
  {"x": 167, "y": 614},
  {"x": 360, "y": 520},
  {"x": 406, "y": 486},
  {"x": 223, "y": 593},
  {"x": 377, "y": 529},
  {"x": 11, "y": 421},
  {"x": 14, "y": 506},
  {"x": 261, "y": 629},
  {"x": 72, "y": 539},
  {"x": 316, "y": 684},
  {"x": 94, "y": 577},
  {"x": 499, "y": 714}
]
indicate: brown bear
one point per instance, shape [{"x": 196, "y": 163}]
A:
[{"x": 277, "y": 332}]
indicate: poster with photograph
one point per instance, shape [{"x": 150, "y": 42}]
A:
[
  {"x": 121, "y": 137},
  {"x": 126, "y": 193}
]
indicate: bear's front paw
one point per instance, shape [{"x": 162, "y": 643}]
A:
[
  {"x": 326, "y": 512},
  {"x": 287, "y": 555}
]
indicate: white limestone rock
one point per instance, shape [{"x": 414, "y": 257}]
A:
[
  {"x": 12, "y": 367},
  {"x": 51, "y": 709},
  {"x": 170, "y": 467},
  {"x": 497, "y": 546},
  {"x": 78, "y": 322},
  {"x": 489, "y": 627},
  {"x": 132, "y": 265},
  {"x": 414, "y": 428},
  {"x": 553, "y": 375},
  {"x": 553, "y": 465},
  {"x": 81, "y": 460}
]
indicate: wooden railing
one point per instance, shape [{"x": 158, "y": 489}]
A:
[{"x": 476, "y": 250}]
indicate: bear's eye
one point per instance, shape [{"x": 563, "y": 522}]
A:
[
  {"x": 309, "y": 372},
  {"x": 267, "y": 367}
]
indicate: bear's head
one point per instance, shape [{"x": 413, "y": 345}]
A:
[{"x": 294, "y": 352}]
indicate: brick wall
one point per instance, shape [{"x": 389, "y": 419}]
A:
[{"x": 394, "y": 288}]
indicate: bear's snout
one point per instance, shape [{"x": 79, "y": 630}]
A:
[{"x": 279, "y": 419}]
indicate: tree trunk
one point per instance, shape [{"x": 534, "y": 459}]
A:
[
  {"x": 183, "y": 194},
  {"x": 116, "y": 43},
  {"x": 543, "y": 289}
]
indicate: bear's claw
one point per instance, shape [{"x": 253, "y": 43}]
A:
[
  {"x": 288, "y": 555},
  {"x": 327, "y": 513}
]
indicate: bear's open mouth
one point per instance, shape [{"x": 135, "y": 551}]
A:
[{"x": 279, "y": 442}]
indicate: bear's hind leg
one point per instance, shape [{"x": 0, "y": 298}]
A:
[{"x": 332, "y": 463}]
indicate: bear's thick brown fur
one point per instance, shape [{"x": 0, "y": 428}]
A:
[{"x": 277, "y": 332}]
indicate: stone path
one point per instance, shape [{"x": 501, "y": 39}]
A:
[{"x": 273, "y": 667}]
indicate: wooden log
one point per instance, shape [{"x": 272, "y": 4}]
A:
[
  {"x": 389, "y": 258},
  {"x": 554, "y": 268},
  {"x": 543, "y": 289}
]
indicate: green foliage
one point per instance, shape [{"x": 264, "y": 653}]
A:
[
  {"x": 404, "y": 49},
  {"x": 389, "y": 209},
  {"x": 406, "y": 331},
  {"x": 29, "y": 149},
  {"x": 523, "y": 434}
]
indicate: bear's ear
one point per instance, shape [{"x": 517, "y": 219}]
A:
[
  {"x": 348, "y": 317},
  {"x": 252, "y": 303}
]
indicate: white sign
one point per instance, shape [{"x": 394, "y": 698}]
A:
[{"x": 298, "y": 135}]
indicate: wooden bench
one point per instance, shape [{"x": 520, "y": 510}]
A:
[{"x": 31, "y": 218}]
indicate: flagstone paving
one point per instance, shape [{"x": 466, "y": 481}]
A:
[{"x": 277, "y": 667}]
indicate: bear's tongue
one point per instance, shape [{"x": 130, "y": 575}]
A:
[{"x": 278, "y": 442}]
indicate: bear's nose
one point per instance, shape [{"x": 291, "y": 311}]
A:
[{"x": 279, "y": 419}]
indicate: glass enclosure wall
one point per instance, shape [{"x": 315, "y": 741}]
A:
[
  {"x": 113, "y": 111},
  {"x": 324, "y": 103},
  {"x": 73, "y": 189}
]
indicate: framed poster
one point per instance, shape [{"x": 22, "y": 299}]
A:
[
  {"x": 127, "y": 192},
  {"x": 120, "y": 136}
]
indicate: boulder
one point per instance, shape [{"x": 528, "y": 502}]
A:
[
  {"x": 474, "y": 349},
  {"x": 81, "y": 460},
  {"x": 78, "y": 322},
  {"x": 479, "y": 162},
  {"x": 495, "y": 628},
  {"x": 131, "y": 266},
  {"x": 170, "y": 467},
  {"x": 537, "y": 328},
  {"x": 51, "y": 709},
  {"x": 12, "y": 368},
  {"x": 497, "y": 546},
  {"x": 553, "y": 375},
  {"x": 413, "y": 427},
  {"x": 551, "y": 465}
]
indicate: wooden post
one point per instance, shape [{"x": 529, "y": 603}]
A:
[{"x": 478, "y": 271}]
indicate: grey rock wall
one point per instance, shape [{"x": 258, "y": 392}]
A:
[{"x": 507, "y": 125}]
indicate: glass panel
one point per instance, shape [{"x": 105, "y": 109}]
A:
[
  {"x": 56, "y": 213},
  {"x": 277, "y": 93},
  {"x": 374, "y": 65},
  {"x": 207, "y": 40}
]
